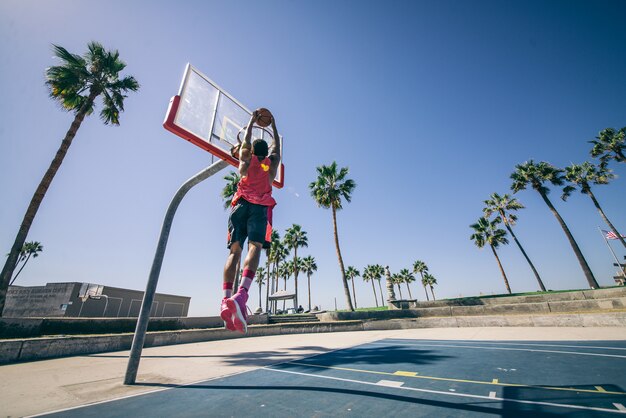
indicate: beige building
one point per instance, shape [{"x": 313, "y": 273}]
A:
[{"x": 87, "y": 300}]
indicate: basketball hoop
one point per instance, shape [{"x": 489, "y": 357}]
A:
[{"x": 259, "y": 135}]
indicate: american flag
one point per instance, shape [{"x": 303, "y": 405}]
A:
[{"x": 611, "y": 234}]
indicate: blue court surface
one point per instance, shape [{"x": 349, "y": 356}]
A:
[{"x": 405, "y": 378}]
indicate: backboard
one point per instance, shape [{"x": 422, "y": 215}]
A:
[{"x": 209, "y": 117}]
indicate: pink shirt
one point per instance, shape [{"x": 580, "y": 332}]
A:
[{"x": 256, "y": 187}]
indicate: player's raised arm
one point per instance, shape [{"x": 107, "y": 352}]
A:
[
  {"x": 275, "y": 151},
  {"x": 245, "y": 149}
]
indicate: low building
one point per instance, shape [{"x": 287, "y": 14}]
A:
[{"x": 87, "y": 300}]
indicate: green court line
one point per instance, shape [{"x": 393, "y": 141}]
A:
[{"x": 494, "y": 382}]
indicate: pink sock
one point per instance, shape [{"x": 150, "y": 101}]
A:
[
  {"x": 228, "y": 289},
  {"x": 247, "y": 277}
]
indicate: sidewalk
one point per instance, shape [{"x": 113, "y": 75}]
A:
[{"x": 48, "y": 385}]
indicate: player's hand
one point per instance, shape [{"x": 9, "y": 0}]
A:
[
  {"x": 255, "y": 116},
  {"x": 234, "y": 151}
]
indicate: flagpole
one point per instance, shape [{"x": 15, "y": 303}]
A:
[{"x": 619, "y": 265}]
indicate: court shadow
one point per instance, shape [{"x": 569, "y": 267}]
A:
[
  {"x": 538, "y": 397},
  {"x": 370, "y": 355},
  {"x": 376, "y": 355}
]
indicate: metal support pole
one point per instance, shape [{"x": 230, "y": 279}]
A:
[
  {"x": 623, "y": 270},
  {"x": 148, "y": 297}
]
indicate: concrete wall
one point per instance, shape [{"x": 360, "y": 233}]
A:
[
  {"x": 49, "y": 300},
  {"x": 36, "y": 327}
]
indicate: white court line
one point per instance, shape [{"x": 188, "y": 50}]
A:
[
  {"x": 509, "y": 343},
  {"x": 390, "y": 383},
  {"x": 504, "y": 348},
  {"x": 620, "y": 407},
  {"x": 463, "y": 395}
]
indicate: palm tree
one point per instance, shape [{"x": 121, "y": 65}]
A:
[
  {"x": 259, "y": 279},
  {"x": 275, "y": 238},
  {"x": 75, "y": 84},
  {"x": 368, "y": 276},
  {"x": 396, "y": 279},
  {"x": 278, "y": 253},
  {"x": 536, "y": 175},
  {"x": 328, "y": 190},
  {"x": 407, "y": 278},
  {"x": 610, "y": 145},
  {"x": 421, "y": 268},
  {"x": 31, "y": 248},
  {"x": 351, "y": 273},
  {"x": 487, "y": 232},
  {"x": 378, "y": 272},
  {"x": 295, "y": 237},
  {"x": 309, "y": 267},
  {"x": 583, "y": 176},
  {"x": 425, "y": 283},
  {"x": 430, "y": 279},
  {"x": 284, "y": 270},
  {"x": 230, "y": 188},
  {"x": 503, "y": 205}
]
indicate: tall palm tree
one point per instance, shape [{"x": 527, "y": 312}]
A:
[
  {"x": 536, "y": 175},
  {"x": 407, "y": 278},
  {"x": 368, "y": 276},
  {"x": 425, "y": 283},
  {"x": 328, "y": 190},
  {"x": 275, "y": 238},
  {"x": 583, "y": 176},
  {"x": 610, "y": 145},
  {"x": 309, "y": 267},
  {"x": 76, "y": 84},
  {"x": 487, "y": 232},
  {"x": 295, "y": 237},
  {"x": 397, "y": 279},
  {"x": 503, "y": 205},
  {"x": 259, "y": 279},
  {"x": 421, "y": 268},
  {"x": 230, "y": 188},
  {"x": 30, "y": 249},
  {"x": 430, "y": 279},
  {"x": 351, "y": 273},
  {"x": 378, "y": 272},
  {"x": 278, "y": 253},
  {"x": 284, "y": 270}
]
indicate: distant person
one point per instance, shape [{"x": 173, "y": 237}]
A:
[
  {"x": 300, "y": 309},
  {"x": 251, "y": 218}
]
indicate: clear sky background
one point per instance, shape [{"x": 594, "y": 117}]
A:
[{"x": 431, "y": 104}]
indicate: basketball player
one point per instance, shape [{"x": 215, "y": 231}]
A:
[{"x": 250, "y": 217}]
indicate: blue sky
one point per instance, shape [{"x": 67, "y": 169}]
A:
[{"x": 429, "y": 103}]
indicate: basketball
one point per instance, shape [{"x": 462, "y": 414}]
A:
[{"x": 265, "y": 117}]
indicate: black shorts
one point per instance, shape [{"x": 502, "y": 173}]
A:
[{"x": 251, "y": 221}]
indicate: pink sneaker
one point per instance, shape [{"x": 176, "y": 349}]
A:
[
  {"x": 237, "y": 306},
  {"x": 227, "y": 315}
]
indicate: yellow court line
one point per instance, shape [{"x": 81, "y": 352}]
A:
[
  {"x": 449, "y": 379},
  {"x": 408, "y": 374}
]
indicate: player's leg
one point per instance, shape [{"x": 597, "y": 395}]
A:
[
  {"x": 256, "y": 228},
  {"x": 237, "y": 229}
]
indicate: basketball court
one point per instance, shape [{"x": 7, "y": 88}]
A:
[
  {"x": 396, "y": 374},
  {"x": 404, "y": 377}
]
